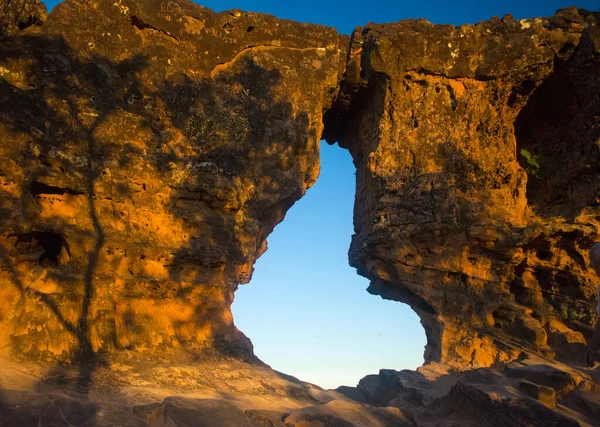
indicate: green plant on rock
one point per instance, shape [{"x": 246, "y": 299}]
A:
[{"x": 532, "y": 167}]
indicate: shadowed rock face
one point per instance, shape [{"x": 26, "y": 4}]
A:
[
  {"x": 16, "y": 15},
  {"x": 447, "y": 218},
  {"x": 148, "y": 149},
  {"x": 519, "y": 394}
]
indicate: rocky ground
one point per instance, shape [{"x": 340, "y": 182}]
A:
[
  {"x": 531, "y": 391},
  {"x": 204, "y": 390},
  {"x": 213, "y": 390}
]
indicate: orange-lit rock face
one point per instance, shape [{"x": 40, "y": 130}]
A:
[
  {"x": 148, "y": 149},
  {"x": 20, "y": 14},
  {"x": 447, "y": 218}
]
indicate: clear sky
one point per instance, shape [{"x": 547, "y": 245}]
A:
[
  {"x": 306, "y": 310},
  {"x": 345, "y": 15}
]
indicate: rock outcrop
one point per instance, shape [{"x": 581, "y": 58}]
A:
[
  {"x": 16, "y": 15},
  {"x": 532, "y": 392},
  {"x": 450, "y": 217},
  {"x": 147, "y": 150}
]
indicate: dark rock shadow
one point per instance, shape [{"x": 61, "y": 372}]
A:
[
  {"x": 560, "y": 125},
  {"x": 58, "y": 74}
]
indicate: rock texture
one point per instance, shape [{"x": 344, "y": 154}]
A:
[
  {"x": 449, "y": 216},
  {"x": 147, "y": 150},
  {"x": 212, "y": 390},
  {"x": 525, "y": 393},
  {"x": 16, "y": 15}
]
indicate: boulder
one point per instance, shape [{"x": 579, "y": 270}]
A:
[{"x": 16, "y": 15}]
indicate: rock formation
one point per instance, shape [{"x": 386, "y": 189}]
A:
[
  {"x": 149, "y": 148},
  {"x": 535, "y": 393},
  {"x": 20, "y": 14},
  {"x": 447, "y": 217}
]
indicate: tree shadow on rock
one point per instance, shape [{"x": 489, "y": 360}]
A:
[
  {"x": 81, "y": 128},
  {"x": 54, "y": 106}
]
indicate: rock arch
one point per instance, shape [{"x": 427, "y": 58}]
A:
[{"x": 164, "y": 143}]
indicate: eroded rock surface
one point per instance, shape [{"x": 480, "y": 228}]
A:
[
  {"x": 147, "y": 150},
  {"x": 210, "y": 390},
  {"x": 16, "y": 15},
  {"x": 531, "y": 392},
  {"x": 450, "y": 218}
]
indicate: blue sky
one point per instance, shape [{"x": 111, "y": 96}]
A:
[
  {"x": 345, "y": 15},
  {"x": 307, "y": 311}
]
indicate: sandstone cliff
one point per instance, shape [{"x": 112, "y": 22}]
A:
[
  {"x": 493, "y": 258},
  {"x": 148, "y": 149}
]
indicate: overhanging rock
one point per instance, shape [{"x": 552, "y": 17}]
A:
[
  {"x": 450, "y": 217},
  {"x": 148, "y": 149}
]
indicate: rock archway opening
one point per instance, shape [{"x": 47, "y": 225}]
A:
[{"x": 307, "y": 311}]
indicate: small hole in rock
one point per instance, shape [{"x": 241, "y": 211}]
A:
[
  {"x": 51, "y": 243},
  {"x": 38, "y": 188},
  {"x": 43, "y": 160}
]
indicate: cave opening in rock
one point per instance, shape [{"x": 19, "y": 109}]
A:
[
  {"x": 43, "y": 246},
  {"x": 557, "y": 133},
  {"x": 307, "y": 311}
]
